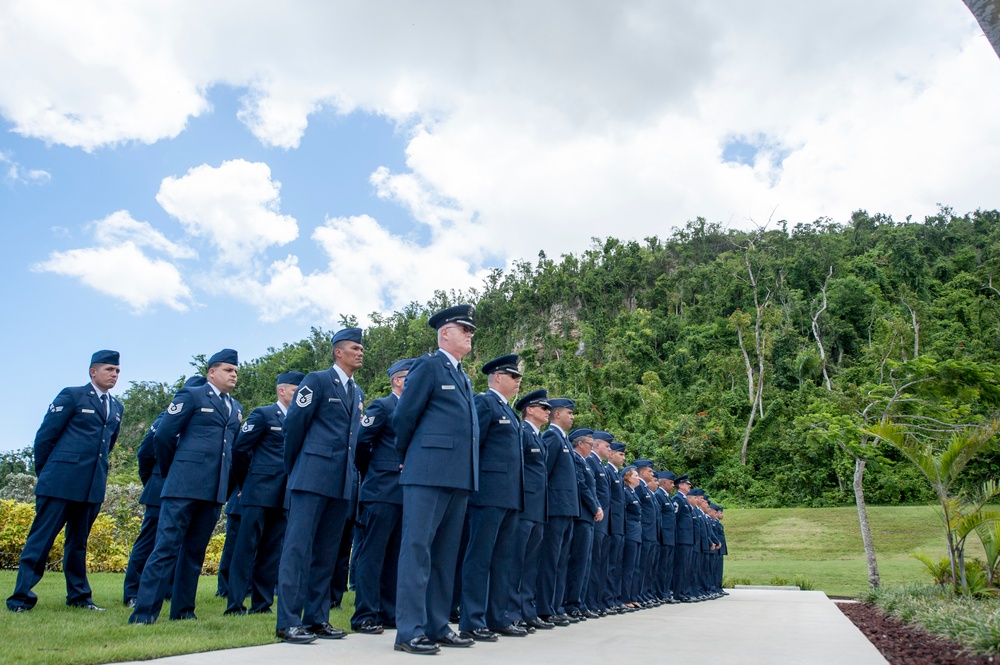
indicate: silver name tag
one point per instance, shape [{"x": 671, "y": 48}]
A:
[
  {"x": 87, "y": 411},
  {"x": 505, "y": 421},
  {"x": 536, "y": 450},
  {"x": 333, "y": 399},
  {"x": 451, "y": 387},
  {"x": 207, "y": 410},
  {"x": 275, "y": 429}
]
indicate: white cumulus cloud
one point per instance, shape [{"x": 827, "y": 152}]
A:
[
  {"x": 120, "y": 267},
  {"x": 235, "y": 206}
]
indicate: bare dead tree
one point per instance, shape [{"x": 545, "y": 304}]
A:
[{"x": 816, "y": 335}]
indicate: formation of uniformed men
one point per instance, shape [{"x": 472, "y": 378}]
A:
[{"x": 523, "y": 521}]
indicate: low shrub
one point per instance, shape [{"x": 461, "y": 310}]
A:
[{"x": 730, "y": 582}]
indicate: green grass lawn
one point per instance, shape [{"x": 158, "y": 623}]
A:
[
  {"x": 54, "y": 634},
  {"x": 824, "y": 545},
  {"x": 821, "y": 545}
]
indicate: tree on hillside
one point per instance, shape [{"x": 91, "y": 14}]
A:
[{"x": 987, "y": 13}]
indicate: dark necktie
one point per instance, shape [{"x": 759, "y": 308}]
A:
[
  {"x": 350, "y": 393},
  {"x": 104, "y": 405},
  {"x": 229, "y": 406}
]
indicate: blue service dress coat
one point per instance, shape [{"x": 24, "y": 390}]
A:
[
  {"x": 437, "y": 428},
  {"x": 564, "y": 507},
  {"x": 535, "y": 476},
  {"x": 377, "y": 458},
  {"x": 194, "y": 445},
  {"x": 152, "y": 485},
  {"x": 259, "y": 460},
  {"x": 563, "y": 485},
  {"x": 668, "y": 517},
  {"x": 321, "y": 431},
  {"x": 72, "y": 445},
  {"x": 501, "y": 481}
]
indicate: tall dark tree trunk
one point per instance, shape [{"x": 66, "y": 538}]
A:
[{"x": 987, "y": 12}]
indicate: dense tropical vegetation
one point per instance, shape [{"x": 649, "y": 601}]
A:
[{"x": 753, "y": 360}]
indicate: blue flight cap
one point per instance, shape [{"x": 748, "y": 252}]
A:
[
  {"x": 399, "y": 366},
  {"x": 562, "y": 403},
  {"x": 506, "y": 363},
  {"x": 347, "y": 335},
  {"x": 534, "y": 398},
  {"x": 604, "y": 436},
  {"x": 682, "y": 479},
  {"x": 460, "y": 314},
  {"x": 714, "y": 506},
  {"x": 665, "y": 475},
  {"x": 642, "y": 461},
  {"x": 630, "y": 466},
  {"x": 618, "y": 446},
  {"x": 697, "y": 491},
  {"x": 195, "y": 381},
  {"x": 719, "y": 508},
  {"x": 293, "y": 378},
  {"x": 580, "y": 432},
  {"x": 224, "y": 356},
  {"x": 105, "y": 357}
]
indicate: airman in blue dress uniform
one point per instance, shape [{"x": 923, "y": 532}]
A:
[
  {"x": 668, "y": 529},
  {"x": 598, "y": 461},
  {"x": 581, "y": 546},
  {"x": 259, "y": 472},
  {"x": 522, "y": 611},
  {"x": 194, "y": 450},
  {"x": 564, "y": 507},
  {"x": 381, "y": 499},
  {"x": 71, "y": 460},
  {"x": 612, "y": 592},
  {"x": 683, "y": 541},
  {"x": 321, "y": 431},
  {"x": 437, "y": 436},
  {"x": 494, "y": 508}
]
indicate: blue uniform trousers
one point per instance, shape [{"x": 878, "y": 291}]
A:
[
  {"x": 341, "y": 569},
  {"x": 613, "y": 585},
  {"x": 524, "y": 579},
  {"x": 428, "y": 558},
  {"x": 650, "y": 558},
  {"x": 682, "y": 574},
  {"x": 630, "y": 564},
  {"x": 182, "y": 537},
  {"x": 376, "y": 564},
  {"x": 254, "y": 566},
  {"x": 598, "y": 570},
  {"x": 308, "y": 555},
  {"x": 578, "y": 570},
  {"x": 141, "y": 549},
  {"x": 51, "y": 514},
  {"x": 665, "y": 572},
  {"x": 486, "y": 569},
  {"x": 552, "y": 556},
  {"x": 226, "y": 559}
]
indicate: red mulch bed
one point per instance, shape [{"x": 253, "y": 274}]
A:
[{"x": 901, "y": 643}]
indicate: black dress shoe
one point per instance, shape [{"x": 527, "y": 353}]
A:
[
  {"x": 453, "y": 640},
  {"x": 369, "y": 628},
  {"x": 511, "y": 631},
  {"x": 235, "y": 612},
  {"x": 479, "y": 635},
  {"x": 130, "y": 603},
  {"x": 591, "y": 614},
  {"x": 557, "y": 620},
  {"x": 295, "y": 635},
  {"x": 20, "y": 609},
  {"x": 418, "y": 645},
  {"x": 325, "y": 631},
  {"x": 567, "y": 617},
  {"x": 185, "y": 616},
  {"x": 525, "y": 626},
  {"x": 262, "y": 610},
  {"x": 87, "y": 605},
  {"x": 541, "y": 624}
]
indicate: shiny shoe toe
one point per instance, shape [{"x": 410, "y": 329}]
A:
[
  {"x": 325, "y": 631},
  {"x": 418, "y": 645},
  {"x": 295, "y": 635}
]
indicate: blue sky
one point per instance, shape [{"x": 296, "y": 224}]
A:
[{"x": 185, "y": 176}]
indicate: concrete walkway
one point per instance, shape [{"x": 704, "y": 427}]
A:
[{"x": 748, "y": 627}]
